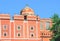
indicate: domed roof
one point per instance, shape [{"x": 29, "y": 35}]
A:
[{"x": 27, "y": 10}]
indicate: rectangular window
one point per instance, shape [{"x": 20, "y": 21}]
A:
[
  {"x": 25, "y": 17},
  {"x": 47, "y": 25},
  {"x": 41, "y": 26}
]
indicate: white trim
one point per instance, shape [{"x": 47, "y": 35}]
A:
[
  {"x": 19, "y": 33},
  {"x": 24, "y": 29},
  {"x": 36, "y": 29},
  {"x": 14, "y": 29},
  {"x": 4, "y": 17},
  {"x": 25, "y": 21},
  {"x": 0, "y": 28},
  {"x": 6, "y": 34},
  {"x": 47, "y": 25},
  {"x": 31, "y": 18},
  {"x": 11, "y": 20},
  {"x": 16, "y": 15},
  {"x": 18, "y": 26},
  {"x": 5, "y": 14},
  {"x": 41, "y": 26},
  {"x": 23, "y": 38},
  {"x": 27, "y": 30},
  {"x": 31, "y": 27},
  {"x": 28, "y": 13},
  {"x": 4, "y": 27},
  {"x": 18, "y": 18},
  {"x": 10, "y": 29},
  {"x": 31, "y": 34}
]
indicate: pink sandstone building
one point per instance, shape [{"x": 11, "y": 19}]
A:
[{"x": 24, "y": 27}]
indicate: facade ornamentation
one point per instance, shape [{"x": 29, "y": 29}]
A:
[{"x": 24, "y": 27}]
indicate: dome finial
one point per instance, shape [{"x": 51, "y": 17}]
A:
[
  {"x": 27, "y": 11},
  {"x": 27, "y": 5}
]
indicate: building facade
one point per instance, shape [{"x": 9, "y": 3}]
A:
[{"x": 24, "y": 27}]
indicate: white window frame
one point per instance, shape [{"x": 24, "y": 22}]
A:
[
  {"x": 47, "y": 24},
  {"x": 6, "y": 34},
  {"x": 41, "y": 25},
  {"x": 18, "y": 26},
  {"x": 33, "y": 35},
  {"x": 18, "y": 33},
  {"x": 4, "y": 27},
  {"x": 31, "y": 29}
]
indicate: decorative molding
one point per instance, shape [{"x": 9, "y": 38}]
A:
[
  {"x": 0, "y": 28},
  {"x": 14, "y": 29},
  {"x": 10, "y": 29},
  {"x": 23, "y": 38},
  {"x": 36, "y": 29},
  {"x": 11, "y": 20}
]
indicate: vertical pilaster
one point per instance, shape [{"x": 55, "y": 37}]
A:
[
  {"x": 0, "y": 29},
  {"x": 23, "y": 29},
  {"x": 36, "y": 29},
  {"x": 14, "y": 29}
]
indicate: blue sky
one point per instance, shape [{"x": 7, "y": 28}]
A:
[{"x": 43, "y": 8}]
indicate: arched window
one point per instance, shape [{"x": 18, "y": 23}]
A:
[
  {"x": 18, "y": 27},
  {"x": 31, "y": 34},
  {"x": 32, "y": 28},
  {"x": 5, "y": 34},
  {"x": 18, "y": 34},
  {"x": 4, "y": 27}
]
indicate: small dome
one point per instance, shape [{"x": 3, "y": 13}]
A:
[{"x": 27, "y": 10}]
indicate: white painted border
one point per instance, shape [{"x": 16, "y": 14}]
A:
[
  {"x": 30, "y": 28},
  {"x": 10, "y": 30},
  {"x": 14, "y": 29},
  {"x": 31, "y": 19},
  {"x": 23, "y": 29},
  {"x": 33, "y": 35},
  {"x": 23, "y": 38},
  {"x": 41, "y": 24},
  {"x": 18, "y": 26},
  {"x": 19, "y": 33},
  {"x": 6, "y": 34},
  {"x": 27, "y": 30},
  {"x": 4, "y": 17},
  {"x": 36, "y": 29},
  {"x": 4, "y": 27},
  {"x": 0, "y": 28},
  {"x": 11, "y": 20}
]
